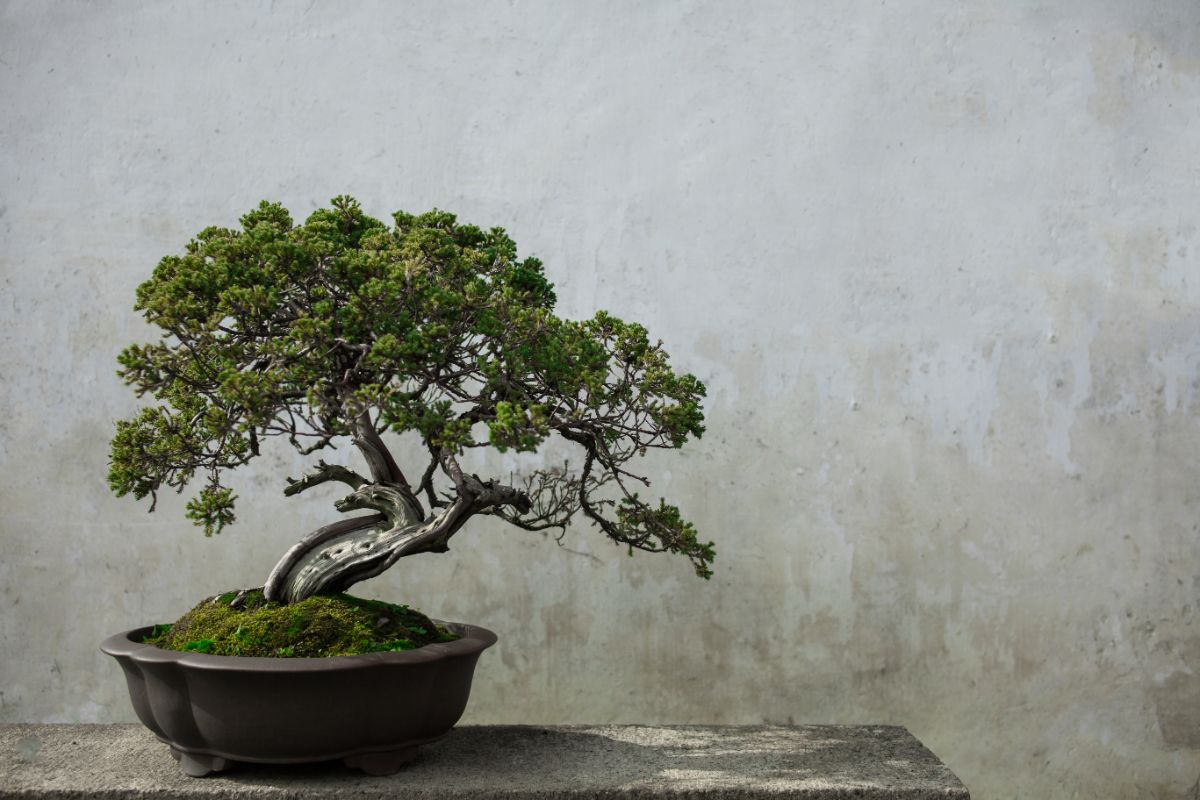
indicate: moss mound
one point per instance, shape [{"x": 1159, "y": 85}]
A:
[{"x": 323, "y": 625}]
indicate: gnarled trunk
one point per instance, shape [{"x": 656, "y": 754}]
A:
[{"x": 336, "y": 556}]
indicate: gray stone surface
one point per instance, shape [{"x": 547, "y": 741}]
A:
[{"x": 815, "y": 761}]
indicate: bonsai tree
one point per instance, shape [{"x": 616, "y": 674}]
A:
[{"x": 344, "y": 328}]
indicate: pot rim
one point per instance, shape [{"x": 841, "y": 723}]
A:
[{"x": 473, "y": 640}]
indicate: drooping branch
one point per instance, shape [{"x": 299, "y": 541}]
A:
[{"x": 633, "y": 522}]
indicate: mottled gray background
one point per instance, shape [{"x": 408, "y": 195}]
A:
[{"x": 937, "y": 262}]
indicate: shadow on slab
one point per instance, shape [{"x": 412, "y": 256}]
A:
[{"x": 623, "y": 758}]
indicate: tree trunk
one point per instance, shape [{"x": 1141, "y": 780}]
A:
[{"x": 333, "y": 558}]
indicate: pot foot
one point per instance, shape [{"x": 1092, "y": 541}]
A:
[
  {"x": 385, "y": 763},
  {"x": 197, "y": 765}
]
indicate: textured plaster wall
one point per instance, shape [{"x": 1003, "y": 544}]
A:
[{"x": 938, "y": 263}]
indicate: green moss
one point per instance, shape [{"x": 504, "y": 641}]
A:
[{"x": 323, "y": 625}]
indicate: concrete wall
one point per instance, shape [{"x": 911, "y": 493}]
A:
[{"x": 938, "y": 263}]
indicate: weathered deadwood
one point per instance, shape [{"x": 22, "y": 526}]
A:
[
  {"x": 274, "y": 587},
  {"x": 334, "y": 558},
  {"x": 323, "y": 474}
]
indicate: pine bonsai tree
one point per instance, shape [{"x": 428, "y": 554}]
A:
[{"x": 345, "y": 328}]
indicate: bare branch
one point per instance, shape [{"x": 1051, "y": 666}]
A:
[{"x": 323, "y": 474}]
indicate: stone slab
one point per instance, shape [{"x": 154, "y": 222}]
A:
[{"x": 511, "y": 762}]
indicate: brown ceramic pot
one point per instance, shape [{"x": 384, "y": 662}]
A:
[{"x": 371, "y": 711}]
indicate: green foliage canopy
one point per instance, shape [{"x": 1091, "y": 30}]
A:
[{"x": 312, "y": 331}]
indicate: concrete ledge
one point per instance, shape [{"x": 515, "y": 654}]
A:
[{"x": 512, "y": 762}]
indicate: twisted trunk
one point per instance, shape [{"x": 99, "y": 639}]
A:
[{"x": 336, "y": 556}]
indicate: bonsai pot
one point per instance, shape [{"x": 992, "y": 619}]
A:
[{"x": 371, "y": 711}]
